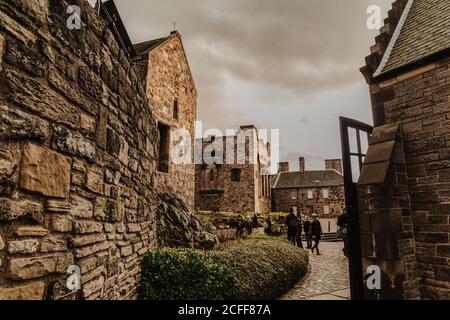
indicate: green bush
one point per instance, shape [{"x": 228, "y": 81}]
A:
[
  {"x": 254, "y": 269},
  {"x": 184, "y": 274},
  {"x": 264, "y": 269}
]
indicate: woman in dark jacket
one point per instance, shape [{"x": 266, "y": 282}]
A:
[{"x": 316, "y": 233}]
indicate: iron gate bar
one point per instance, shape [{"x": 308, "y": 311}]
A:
[{"x": 351, "y": 202}]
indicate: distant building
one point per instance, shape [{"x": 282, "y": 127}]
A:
[
  {"x": 320, "y": 192},
  {"x": 234, "y": 187},
  {"x": 164, "y": 67}
]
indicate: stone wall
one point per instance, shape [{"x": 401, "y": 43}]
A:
[
  {"x": 169, "y": 81},
  {"x": 282, "y": 201},
  {"x": 419, "y": 101},
  {"x": 77, "y": 156}
]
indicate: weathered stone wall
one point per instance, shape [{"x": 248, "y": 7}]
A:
[
  {"x": 77, "y": 156},
  {"x": 282, "y": 201},
  {"x": 169, "y": 79},
  {"x": 419, "y": 101}
]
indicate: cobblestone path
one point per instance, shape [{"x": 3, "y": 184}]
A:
[{"x": 328, "y": 278}]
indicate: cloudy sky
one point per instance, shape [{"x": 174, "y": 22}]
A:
[{"x": 291, "y": 65}]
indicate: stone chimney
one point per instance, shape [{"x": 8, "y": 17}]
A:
[
  {"x": 334, "y": 164},
  {"x": 283, "y": 167},
  {"x": 301, "y": 165}
]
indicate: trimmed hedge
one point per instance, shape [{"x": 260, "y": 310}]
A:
[
  {"x": 255, "y": 269},
  {"x": 184, "y": 274}
]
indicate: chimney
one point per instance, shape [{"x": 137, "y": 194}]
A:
[
  {"x": 283, "y": 167},
  {"x": 334, "y": 164},
  {"x": 301, "y": 164}
]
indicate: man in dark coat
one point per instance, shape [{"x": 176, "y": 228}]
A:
[
  {"x": 307, "y": 229},
  {"x": 316, "y": 233},
  {"x": 342, "y": 231},
  {"x": 293, "y": 225},
  {"x": 299, "y": 233}
]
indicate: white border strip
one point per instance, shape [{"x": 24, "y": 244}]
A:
[{"x": 390, "y": 48}]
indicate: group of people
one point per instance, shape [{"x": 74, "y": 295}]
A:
[{"x": 312, "y": 229}]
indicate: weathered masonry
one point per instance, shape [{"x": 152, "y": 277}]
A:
[
  {"x": 319, "y": 191},
  {"x": 171, "y": 91},
  {"x": 404, "y": 188},
  {"x": 78, "y": 156},
  {"x": 234, "y": 186}
]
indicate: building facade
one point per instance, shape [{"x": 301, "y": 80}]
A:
[
  {"x": 404, "y": 185},
  {"x": 234, "y": 185},
  {"x": 320, "y": 192},
  {"x": 165, "y": 71}
]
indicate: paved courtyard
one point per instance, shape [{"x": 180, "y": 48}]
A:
[{"x": 328, "y": 278}]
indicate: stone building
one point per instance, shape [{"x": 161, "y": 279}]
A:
[
  {"x": 405, "y": 181},
  {"x": 320, "y": 192},
  {"x": 79, "y": 145},
  {"x": 164, "y": 70},
  {"x": 234, "y": 186}
]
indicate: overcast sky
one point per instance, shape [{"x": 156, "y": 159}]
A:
[{"x": 291, "y": 65}]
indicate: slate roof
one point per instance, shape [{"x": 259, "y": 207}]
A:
[
  {"x": 309, "y": 179},
  {"x": 425, "y": 31},
  {"x": 148, "y": 46}
]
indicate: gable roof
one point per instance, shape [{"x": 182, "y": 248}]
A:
[
  {"x": 423, "y": 30},
  {"x": 147, "y": 46},
  {"x": 309, "y": 179},
  {"x": 143, "y": 50}
]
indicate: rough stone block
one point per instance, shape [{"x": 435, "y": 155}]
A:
[
  {"x": 12, "y": 210},
  {"x": 2, "y": 243},
  {"x": 74, "y": 143},
  {"x": 56, "y": 206},
  {"x": 94, "y": 180},
  {"x": 31, "y": 231},
  {"x": 30, "y": 291},
  {"x": 16, "y": 124},
  {"x": 53, "y": 244},
  {"x": 81, "y": 208},
  {"x": 88, "y": 250},
  {"x": 80, "y": 241},
  {"x": 93, "y": 286},
  {"x": 23, "y": 246},
  {"x": 9, "y": 159},
  {"x": 84, "y": 227},
  {"x": 36, "y": 267},
  {"x": 61, "y": 224},
  {"x": 45, "y": 171},
  {"x": 443, "y": 251},
  {"x": 2, "y": 49}
]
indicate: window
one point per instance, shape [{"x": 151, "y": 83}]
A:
[
  {"x": 294, "y": 195},
  {"x": 310, "y": 194},
  {"x": 326, "y": 193},
  {"x": 163, "y": 158},
  {"x": 175, "y": 110},
  {"x": 326, "y": 210},
  {"x": 236, "y": 175}
]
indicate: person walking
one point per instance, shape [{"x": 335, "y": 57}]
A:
[
  {"x": 255, "y": 222},
  {"x": 316, "y": 233},
  {"x": 292, "y": 224},
  {"x": 299, "y": 233},
  {"x": 269, "y": 226},
  {"x": 342, "y": 231},
  {"x": 307, "y": 230}
]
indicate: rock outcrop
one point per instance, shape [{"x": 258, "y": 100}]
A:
[{"x": 177, "y": 227}]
